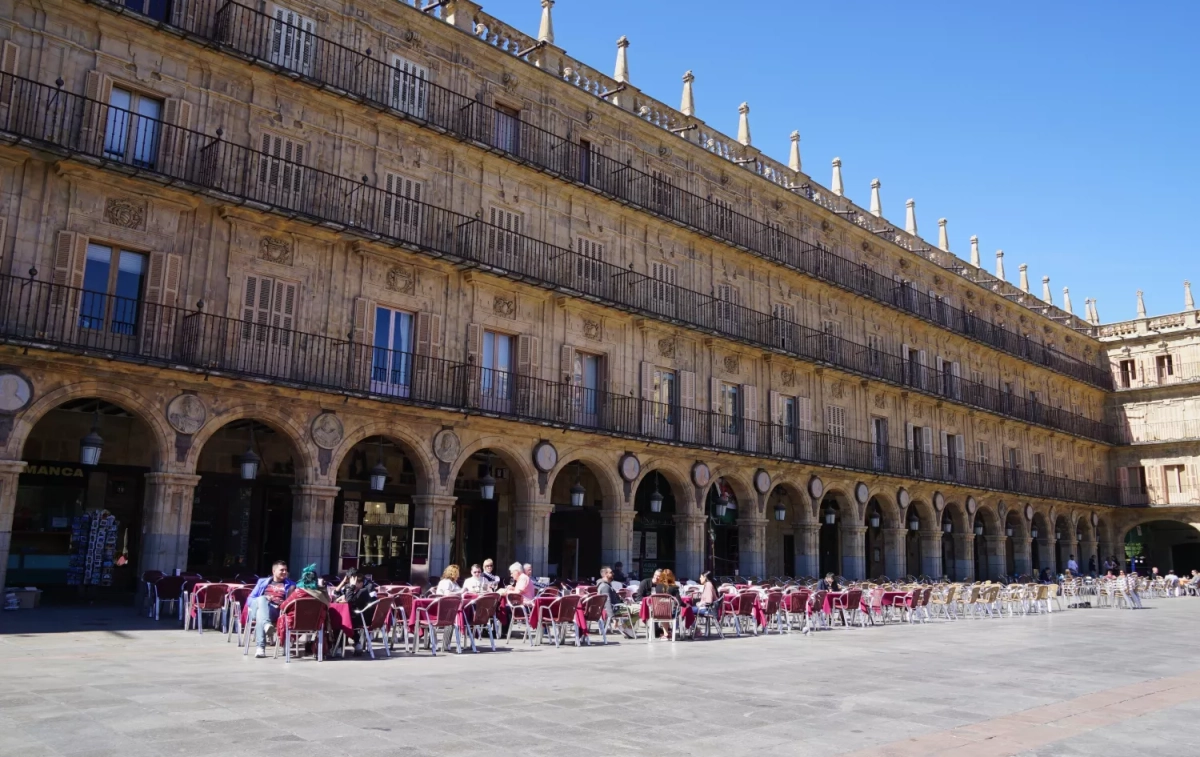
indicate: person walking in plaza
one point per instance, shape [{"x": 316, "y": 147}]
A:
[
  {"x": 1072, "y": 565},
  {"x": 1131, "y": 589},
  {"x": 269, "y": 593}
]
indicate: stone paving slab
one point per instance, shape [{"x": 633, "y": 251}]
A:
[{"x": 100, "y": 681}]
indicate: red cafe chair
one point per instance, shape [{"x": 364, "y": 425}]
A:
[{"x": 298, "y": 617}]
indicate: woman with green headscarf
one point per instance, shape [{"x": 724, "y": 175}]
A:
[{"x": 311, "y": 585}]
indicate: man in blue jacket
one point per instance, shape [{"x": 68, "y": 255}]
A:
[{"x": 264, "y": 602}]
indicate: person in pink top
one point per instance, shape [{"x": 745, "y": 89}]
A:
[{"x": 521, "y": 582}]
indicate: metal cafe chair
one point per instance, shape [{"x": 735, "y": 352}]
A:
[
  {"x": 478, "y": 614},
  {"x": 441, "y": 614},
  {"x": 559, "y": 617},
  {"x": 299, "y": 617},
  {"x": 380, "y": 614}
]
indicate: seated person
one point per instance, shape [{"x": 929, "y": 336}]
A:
[
  {"x": 269, "y": 593},
  {"x": 310, "y": 585},
  {"x": 476, "y": 583},
  {"x": 489, "y": 574},
  {"x": 449, "y": 582},
  {"x": 667, "y": 584},
  {"x": 708, "y": 592},
  {"x": 830, "y": 583},
  {"x": 521, "y": 582},
  {"x": 646, "y": 586},
  {"x": 604, "y": 587}
]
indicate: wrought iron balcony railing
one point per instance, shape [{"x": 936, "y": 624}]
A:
[
  {"x": 129, "y": 141},
  {"x": 301, "y": 54},
  {"x": 37, "y": 313}
]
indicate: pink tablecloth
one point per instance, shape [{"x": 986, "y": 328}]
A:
[{"x": 341, "y": 619}]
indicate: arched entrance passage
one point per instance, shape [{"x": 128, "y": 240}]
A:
[
  {"x": 1163, "y": 544},
  {"x": 242, "y": 514},
  {"x": 781, "y": 537},
  {"x": 1040, "y": 537},
  {"x": 374, "y": 512},
  {"x": 913, "y": 554},
  {"x": 77, "y": 528},
  {"x": 955, "y": 533},
  {"x": 829, "y": 540},
  {"x": 1015, "y": 531},
  {"x": 478, "y": 528},
  {"x": 980, "y": 547},
  {"x": 874, "y": 543},
  {"x": 575, "y": 525},
  {"x": 1063, "y": 535},
  {"x": 653, "y": 526},
  {"x": 722, "y": 508}
]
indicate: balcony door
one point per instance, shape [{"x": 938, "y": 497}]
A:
[
  {"x": 496, "y": 366},
  {"x": 391, "y": 358},
  {"x": 292, "y": 39},
  {"x": 585, "y": 384},
  {"x": 131, "y": 130},
  {"x": 110, "y": 305}
]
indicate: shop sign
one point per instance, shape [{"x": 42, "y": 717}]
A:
[{"x": 54, "y": 470}]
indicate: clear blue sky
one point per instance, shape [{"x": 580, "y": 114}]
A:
[{"x": 1065, "y": 133}]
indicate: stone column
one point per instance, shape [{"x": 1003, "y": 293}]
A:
[
  {"x": 752, "y": 546},
  {"x": 436, "y": 512},
  {"x": 312, "y": 527},
  {"x": 931, "y": 553},
  {"x": 532, "y": 534},
  {"x": 1088, "y": 548},
  {"x": 895, "y": 552},
  {"x": 1022, "y": 555},
  {"x": 167, "y": 521},
  {"x": 616, "y": 537},
  {"x": 854, "y": 562},
  {"x": 690, "y": 540},
  {"x": 10, "y": 472},
  {"x": 997, "y": 556},
  {"x": 1046, "y": 551},
  {"x": 964, "y": 555},
  {"x": 808, "y": 549}
]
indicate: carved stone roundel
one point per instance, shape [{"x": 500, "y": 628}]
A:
[
  {"x": 861, "y": 491},
  {"x": 1028, "y": 512},
  {"x": 666, "y": 347},
  {"x": 401, "y": 279},
  {"x": 972, "y": 506},
  {"x": 629, "y": 466},
  {"x": 939, "y": 501},
  {"x": 15, "y": 392},
  {"x": 327, "y": 430},
  {"x": 275, "y": 250},
  {"x": 816, "y": 487},
  {"x": 903, "y": 498},
  {"x": 446, "y": 445},
  {"x": 700, "y": 475},
  {"x": 186, "y": 413},
  {"x": 762, "y": 481},
  {"x": 121, "y": 212}
]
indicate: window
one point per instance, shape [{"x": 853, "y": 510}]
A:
[
  {"x": 981, "y": 453},
  {"x": 663, "y": 395},
  {"x": 402, "y": 206},
  {"x": 1014, "y": 459},
  {"x": 787, "y": 418},
  {"x": 953, "y": 456},
  {"x": 1128, "y": 373},
  {"x": 726, "y": 305},
  {"x": 1164, "y": 365},
  {"x": 785, "y": 317},
  {"x": 292, "y": 40},
  {"x": 874, "y": 354},
  {"x": 730, "y": 408},
  {"x": 113, "y": 282},
  {"x": 1006, "y": 398},
  {"x": 268, "y": 311},
  {"x": 776, "y": 240},
  {"x": 496, "y": 365},
  {"x": 586, "y": 380},
  {"x": 662, "y": 284},
  {"x": 722, "y": 216},
  {"x": 504, "y": 234},
  {"x": 410, "y": 87},
  {"x": 280, "y": 167},
  {"x": 508, "y": 129},
  {"x": 1177, "y": 485},
  {"x": 940, "y": 310},
  {"x": 131, "y": 133},
  {"x": 660, "y": 190},
  {"x": 585, "y": 161},
  {"x": 1038, "y": 463},
  {"x": 1035, "y": 406},
  {"x": 391, "y": 359},
  {"x": 914, "y": 362},
  {"x": 921, "y": 445},
  {"x": 879, "y": 443},
  {"x": 833, "y": 341},
  {"x": 588, "y": 267}
]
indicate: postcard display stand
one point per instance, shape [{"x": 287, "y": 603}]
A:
[{"x": 93, "y": 549}]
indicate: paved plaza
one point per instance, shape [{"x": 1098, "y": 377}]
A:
[{"x": 97, "y": 682}]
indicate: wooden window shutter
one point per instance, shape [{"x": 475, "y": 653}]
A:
[
  {"x": 775, "y": 400},
  {"x": 283, "y": 306},
  {"x": 804, "y": 413},
  {"x": 364, "y": 321},
  {"x": 687, "y": 389},
  {"x": 714, "y": 394},
  {"x": 749, "y": 402},
  {"x": 163, "y": 277},
  {"x": 528, "y": 357},
  {"x": 424, "y": 333},
  {"x": 474, "y": 343},
  {"x": 177, "y": 115},
  {"x": 70, "y": 256},
  {"x": 98, "y": 91},
  {"x": 566, "y": 363},
  {"x": 436, "y": 341},
  {"x": 908, "y": 436},
  {"x": 647, "y": 380}
]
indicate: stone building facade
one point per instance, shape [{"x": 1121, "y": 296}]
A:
[{"x": 366, "y": 238}]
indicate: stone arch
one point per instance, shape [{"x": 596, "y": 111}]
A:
[
  {"x": 889, "y": 510},
  {"x": 989, "y": 518},
  {"x": 525, "y": 478},
  {"x": 1083, "y": 525},
  {"x": 958, "y": 516},
  {"x": 745, "y": 494},
  {"x": 1041, "y": 521},
  {"x": 681, "y": 484},
  {"x": 796, "y": 499},
  {"x": 603, "y": 469},
  {"x": 424, "y": 465},
  {"x": 130, "y": 401},
  {"x": 925, "y": 510},
  {"x": 1123, "y": 530},
  {"x": 308, "y": 468},
  {"x": 1015, "y": 519}
]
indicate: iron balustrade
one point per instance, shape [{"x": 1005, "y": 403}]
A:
[
  {"x": 240, "y": 174},
  {"x": 41, "y": 314},
  {"x": 302, "y": 54}
]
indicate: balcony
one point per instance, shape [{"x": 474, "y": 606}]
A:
[
  {"x": 49, "y": 116},
  {"x": 40, "y": 314},
  {"x": 250, "y": 34},
  {"x": 1155, "y": 375},
  {"x": 1139, "y": 432}
]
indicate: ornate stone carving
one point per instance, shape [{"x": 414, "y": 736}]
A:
[
  {"x": 446, "y": 445},
  {"x": 505, "y": 305},
  {"x": 731, "y": 363},
  {"x": 327, "y": 430},
  {"x": 880, "y": 401},
  {"x": 838, "y": 390},
  {"x": 401, "y": 279},
  {"x": 866, "y": 246},
  {"x": 275, "y": 250},
  {"x": 593, "y": 329},
  {"x": 664, "y": 151},
  {"x": 510, "y": 81},
  {"x": 15, "y": 392},
  {"x": 128, "y": 214},
  {"x": 788, "y": 376},
  {"x": 917, "y": 409},
  {"x": 1012, "y": 434},
  {"x": 666, "y": 347},
  {"x": 186, "y": 413},
  {"x": 826, "y": 226}
]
